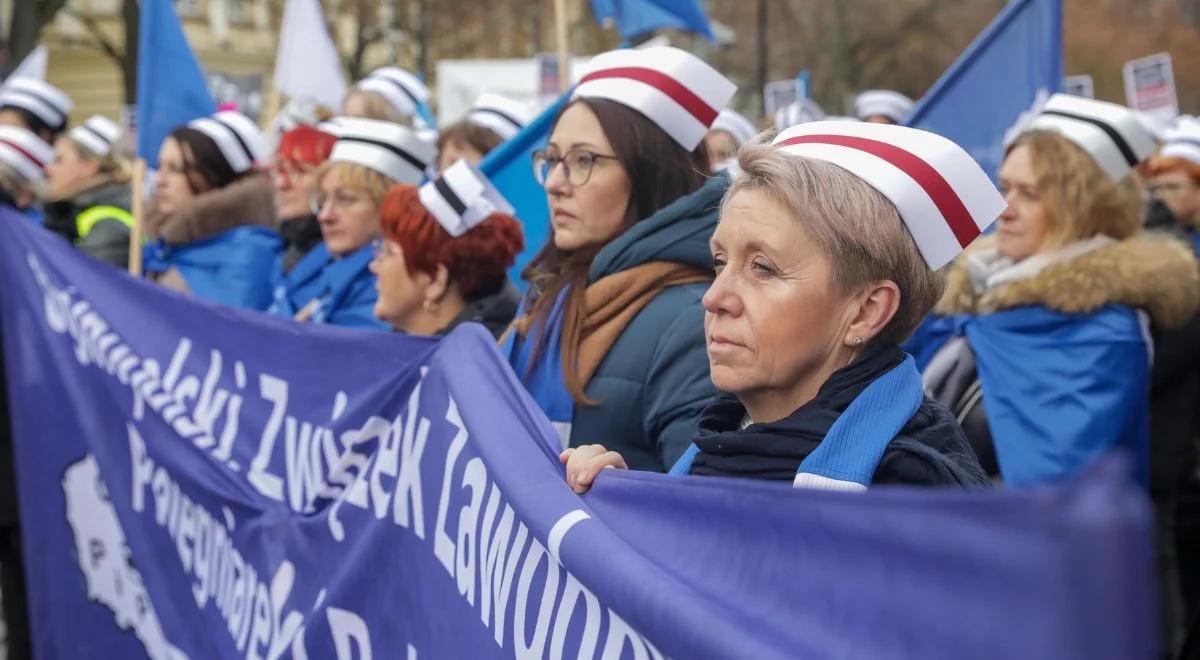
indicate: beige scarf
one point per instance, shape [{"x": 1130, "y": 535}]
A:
[{"x": 613, "y": 301}]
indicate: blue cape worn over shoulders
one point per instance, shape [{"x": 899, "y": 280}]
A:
[{"x": 1060, "y": 389}]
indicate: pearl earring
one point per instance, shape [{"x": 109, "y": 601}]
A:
[{"x": 856, "y": 341}]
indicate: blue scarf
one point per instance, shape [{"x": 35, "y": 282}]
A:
[
  {"x": 232, "y": 268},
  {"x": 337, "y": 285},
  {"x": 849, "y": 454},
  {"x": 545, "y": 380}
]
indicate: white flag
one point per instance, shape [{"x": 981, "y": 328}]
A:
[
  {"x": 33, "y": 66},
  {"x": 307, "y": 66}
]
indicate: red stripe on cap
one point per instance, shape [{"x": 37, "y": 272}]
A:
[
  {"x": 931, "y": 181},
  {"x": 703, "y": 112},
  {"x": 21, "y": 150}
]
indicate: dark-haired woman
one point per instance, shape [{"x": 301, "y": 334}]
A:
[
  {"x": 490, "y": 121},
  {"x": 211, "y": 216},
  {"x": 611, "y": 342},
  {"x": 89, "y": 197}
]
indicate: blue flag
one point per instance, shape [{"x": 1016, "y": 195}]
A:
[
  {"x": 1016, "y": 59},
  {"x": 207, "y": 482},
  {"x": 510, "y": 168},
  {"x": 170, "y": 87},
  {"x": 637, "y": 17}
]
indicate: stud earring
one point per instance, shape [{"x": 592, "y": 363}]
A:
[{"x": 856, "y": 341}]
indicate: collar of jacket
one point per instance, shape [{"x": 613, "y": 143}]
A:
[
  {"x": 249, "y": 200},
  {"x": 1148, "y": 272}
]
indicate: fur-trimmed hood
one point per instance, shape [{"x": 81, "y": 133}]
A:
[
  {"x": 249, "y": 200},
  {"x": 1153, "y": 273}
]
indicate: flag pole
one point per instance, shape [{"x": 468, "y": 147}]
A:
[
  {"x": 272, "y": 107},
  {"x": 138, "y": 186},
  {"x": 560, "y": 29}
]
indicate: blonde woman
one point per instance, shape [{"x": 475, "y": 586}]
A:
[
  {"x": 333, "y": 284},
  {"x": 827, "y": 255},
  {"x": 88, "y": 191},
  {"x": 1047, "y": 358}
]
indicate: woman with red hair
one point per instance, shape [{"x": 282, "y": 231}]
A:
[
  {"x": 444, "y": 254},
  {"x": 1174, "y": 182},
  {"x": 301, "y": 151}
]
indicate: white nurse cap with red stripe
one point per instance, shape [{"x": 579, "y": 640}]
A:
[
  {"x": 942, "y": 194},
  {"x": 673, "y": 88},
  {"x": 25, "y": 152}
]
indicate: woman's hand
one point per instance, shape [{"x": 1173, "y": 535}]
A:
[{"x": 584, "y": 463}]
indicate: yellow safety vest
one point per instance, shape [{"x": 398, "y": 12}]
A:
[{"x": 85, "y": 221}]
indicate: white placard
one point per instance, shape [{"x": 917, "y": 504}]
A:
[
  {"x": 1150, "y": 86},
  {"x": 1081, "y": 85}
]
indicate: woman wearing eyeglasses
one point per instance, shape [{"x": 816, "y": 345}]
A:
[
  {"x": 301, "y": 151},
  {"x": 610, "y": 340},
  {"x": 333, "y": 284},
  {"x": 1175, "y": 180}
]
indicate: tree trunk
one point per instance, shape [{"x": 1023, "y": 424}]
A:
[
  {"x": 131, "y": 14},
  {"x": 763, "y": 53},
  {"x": 28, "y": 19}
]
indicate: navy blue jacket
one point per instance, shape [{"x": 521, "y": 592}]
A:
[{"x": 654, "y": 382}]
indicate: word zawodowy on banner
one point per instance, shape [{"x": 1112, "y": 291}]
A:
[{"x": 205, "y": 482}]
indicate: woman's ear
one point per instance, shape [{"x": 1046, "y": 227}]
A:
[
  {"x": 438, "y": 286},
  {"x": 877, "y": 306}
]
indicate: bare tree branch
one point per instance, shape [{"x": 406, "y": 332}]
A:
[{"x": 94, "y": 29}]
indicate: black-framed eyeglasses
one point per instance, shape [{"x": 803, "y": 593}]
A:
[{"x": 578, "y": 165}]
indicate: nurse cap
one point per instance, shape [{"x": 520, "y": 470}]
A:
[
  {"x": 943, "y": 196},
  {"x": 461, "y": 198},
  {"x": 236, "y": 136},
  {"x": 674, "y": 89},
  {"x": 736, "y": 125},
  {"x": 394, "y": 151},
  {"x": 25, "y": 152},
  {"x": 1183, "y": 141},
  {"x": 503, "y": 116},
  {"x": 401, "y": 89},
  {"x": 893, "y": 105},
  {"x": 45, "y": 101},
  {"x": 1111, "y": 134},
  {"x": 99, "y": 134}
]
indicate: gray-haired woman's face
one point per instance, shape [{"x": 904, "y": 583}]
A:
[{"x": 773, "y": 316}]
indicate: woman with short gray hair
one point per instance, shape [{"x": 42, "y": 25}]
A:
[{"x": 826, "y": 257}]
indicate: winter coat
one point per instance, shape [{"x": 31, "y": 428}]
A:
[
  {"x": 1049, "y": 372},
  {"x": 1174, "y": 394},
  {"x": 495, "y": 311},
  {"x": 300, "y": 236},
  {"x": 653, "y": 383},
  {"x": 924, "y": 448},
  {"x": 221, "y": 246},
  {"x": 325, "y": 289},
  {"x": 98, "y": 220}
]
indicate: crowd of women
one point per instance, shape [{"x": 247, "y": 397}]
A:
[{"x": 841, "y": 303}]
